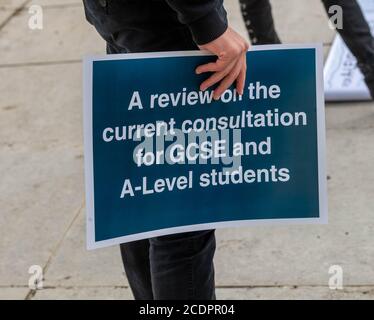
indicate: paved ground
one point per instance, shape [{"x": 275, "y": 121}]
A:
[{"x": 42, "y": 192}]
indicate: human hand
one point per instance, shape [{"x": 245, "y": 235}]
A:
[{"x": 230, "y": 48}]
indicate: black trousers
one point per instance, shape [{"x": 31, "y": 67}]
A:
[
  {"x": 259, "y": 21},
  {"x": 174, "y": 267},
  {"x": 179, "y": 266},
  {"x": 356, "y": 33}
]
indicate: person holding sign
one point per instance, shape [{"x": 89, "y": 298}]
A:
[{"x": 178, "y": 266}]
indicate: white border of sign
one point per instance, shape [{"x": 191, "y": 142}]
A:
[{"x": 88, "y": 150}]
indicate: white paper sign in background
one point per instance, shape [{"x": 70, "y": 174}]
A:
[{"x": 343, "y": 79}]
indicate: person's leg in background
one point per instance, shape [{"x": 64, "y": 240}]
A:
[
  {"x": 176, "y": 266},
  {"x": 259, "y": 21},
  {"x": 357, "y": 36}
]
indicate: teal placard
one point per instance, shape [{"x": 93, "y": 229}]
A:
[{"x": 162, "y": 157}]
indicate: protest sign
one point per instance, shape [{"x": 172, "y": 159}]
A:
[{"x": 163, "y": 157}]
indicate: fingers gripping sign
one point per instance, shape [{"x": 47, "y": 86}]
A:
[{"x": 230, "y": 66}]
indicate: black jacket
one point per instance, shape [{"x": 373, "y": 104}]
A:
[{"x": 148, "y": 25}]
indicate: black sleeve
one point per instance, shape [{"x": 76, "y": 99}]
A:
[{"x": 206, "y": 19}]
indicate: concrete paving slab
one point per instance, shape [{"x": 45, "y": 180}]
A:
[
  {"x": 4, "y": 14},
  {"x": 73, "y": 265},
  {"x": 41, "y": 104},
  {"x": 65, "y": 36},
  {"x": 79, "y": 293},
  {"x": 294, "y": 293},
  {"x": 349, "y": 115},
  {"x": 9, "y": 293},
  {"x": 42, "y": 192},
  {"x": 12, "y": 4},
  {"x": 41, "y": 164},
  {"x": 265, "y": 255},
  {"x": 8, "y": 7}
]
